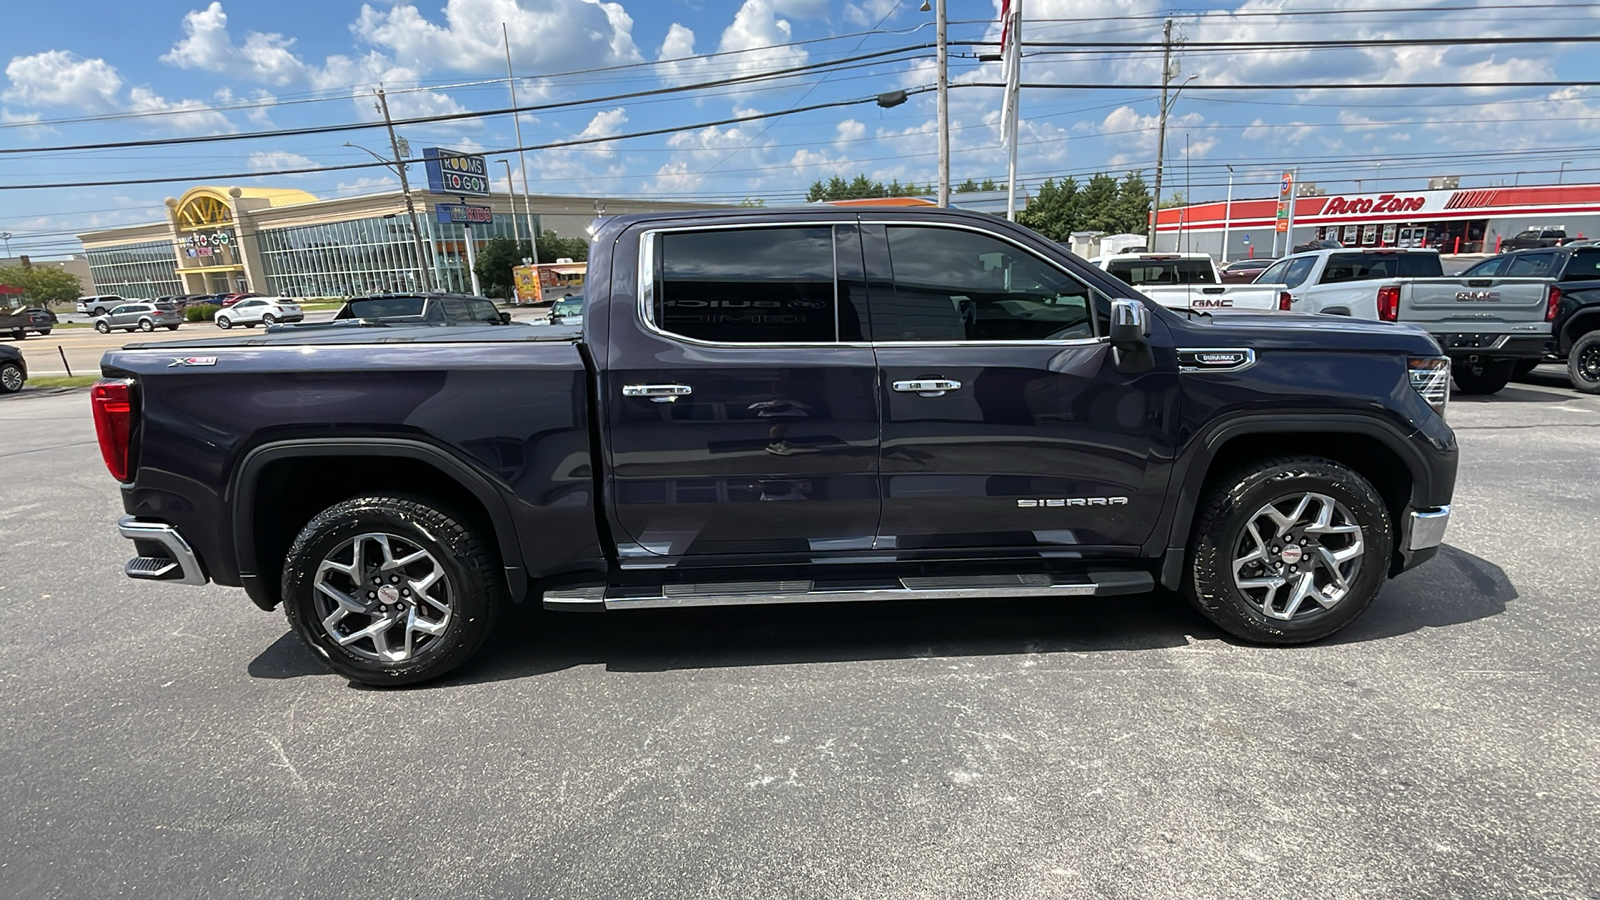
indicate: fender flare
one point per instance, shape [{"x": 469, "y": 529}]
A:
[
  {"x": 1588, "y": 316},
  {"x": 246, "y": 476},
  {"x": 1190, "y": 477}
]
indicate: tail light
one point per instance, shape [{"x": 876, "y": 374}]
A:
[
  {"x": 1389, "y": 303},
  {"x": 1284, "y": 300},
  {"x": 1552, "y": 303},
  {"x": 112, "y": 400},
  {"x": 1430, "y": 376}
]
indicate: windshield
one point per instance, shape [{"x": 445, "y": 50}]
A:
[{"x": 1162, "y": 271}]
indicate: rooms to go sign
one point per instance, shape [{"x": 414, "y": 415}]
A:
[{"x": 450, "y": 172}]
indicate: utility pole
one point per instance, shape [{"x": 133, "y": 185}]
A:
[
  {"x": 423, "y": 267},
  {"x": 944, "y": 104},
  {"x": 1161, "y": 129},
  {"x": 522, "y": 159}
]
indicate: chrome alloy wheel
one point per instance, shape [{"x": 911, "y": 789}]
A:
[
  {"x": 1298, "y": 549},
  {"x": 1589, "y": 362},
  {"x": 11, "y": 378},
  {"x": 383, "y": 598}
]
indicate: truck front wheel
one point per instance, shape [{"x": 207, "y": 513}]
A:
[
  {"x": 1288, "y": 550},
  {"x": 1583, "y": 363},
  {"x": 1480, "y": 377},
  {"x": 389, "y": 591}
]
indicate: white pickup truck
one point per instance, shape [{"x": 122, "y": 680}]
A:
[
  {"x": 1189, "y": 281},
  {"x": 1485, "y": 325}
]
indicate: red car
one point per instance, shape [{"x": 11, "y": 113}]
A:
[{"x": 231, "y": 299}]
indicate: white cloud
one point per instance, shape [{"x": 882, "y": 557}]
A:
[
  {"x": 546, "y": 35},
  {"x": 275, "y": 160},
  {"x": 190, "y": 116},
  {"x": 850, "y": 130},
  {"x": 604, "y": 124},
  {"x": 751, "y": 39},
  {"x": 362, "y": 75},
  {"x": 869, "y": 12},
  {"x": 62, "y": 78},
  {"x": 265, "y": 58},
  {"x": 26, "y": 124}
]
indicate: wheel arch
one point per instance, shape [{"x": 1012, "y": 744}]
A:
[
  {"x": 347, "y": 467},
  {"x": 1380, "y": 452},
  {"x": 1581, "y": 323}
]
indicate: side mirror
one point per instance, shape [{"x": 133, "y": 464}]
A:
[
  {"x": 1130, "y": 337},
  {"x": 505, "y": 318}
]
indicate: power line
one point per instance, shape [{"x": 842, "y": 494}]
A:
[
  {"x": 453, "y": 117},
  {"x": 372, "y": 165}
]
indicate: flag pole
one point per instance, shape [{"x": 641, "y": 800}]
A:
[{"x": 1014, "y": 96}]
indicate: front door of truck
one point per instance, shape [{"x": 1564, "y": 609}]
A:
[
  {"x": 1006, "y": 425},
  {"x": 741, "y": 397}
]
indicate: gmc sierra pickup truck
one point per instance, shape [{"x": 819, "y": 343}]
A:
[
  {"x": 1485, "y": 325},
  {"x": 1573, "y": 273},
  {"x": 1189, "y": 281},
  {"x": 783, "y": 406}
]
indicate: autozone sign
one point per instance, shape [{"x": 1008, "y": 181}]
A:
[{"x": 1383, "y": 203}]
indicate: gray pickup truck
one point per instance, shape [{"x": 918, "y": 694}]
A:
[{"x": 1485, "y": 324}]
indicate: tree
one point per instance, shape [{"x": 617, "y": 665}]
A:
[
  {"x": 42, "y": 284},
  {"x": 500, "y": 255},
  {"x": 1133, "y": 205},
  {"x": 752, "y": 202},
  {"x": 1098, "y": 202},
  {"x": 1053, "y": 210},
  {"x": 859, "y": 188},
  {"x": 989, "y": 185},
  {"x": 967, "y": 187}
]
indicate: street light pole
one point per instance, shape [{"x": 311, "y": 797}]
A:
[
  {"x": 522, "y": 158},
  {"x": 405, "y": 189},
  {"x": 1562, "y": 174},
  {"x": 516, "y": 233}
]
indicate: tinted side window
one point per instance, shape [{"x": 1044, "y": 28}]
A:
[
  {"x": 748, "y": 286},
  {"x": 1486, "y": 269},
  {"x": 1157, "y": 271},
  {"x": 1295, "y": 272},
  {"x": 1273, "y": 274},
  {"x": 455, "y": 308},
  {"x": 482, "y": 311},
  {"x": 955, "y": 285},
  {"x": 1530, "y": 265},
  {"x": 1583, "y": 266},
  {"x": 1421, "y": 265}
]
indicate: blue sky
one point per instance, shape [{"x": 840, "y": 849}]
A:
[{"x": 171, "y": 68}]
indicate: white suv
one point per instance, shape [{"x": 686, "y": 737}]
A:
[{"x": 254, "y": 311}]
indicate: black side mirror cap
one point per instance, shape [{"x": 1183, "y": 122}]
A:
[{"x": 505, "y": 318}]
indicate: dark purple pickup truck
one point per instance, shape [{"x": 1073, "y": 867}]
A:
[{"x": 784, "y": 406}]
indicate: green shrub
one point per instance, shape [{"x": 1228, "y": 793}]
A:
[{"x": 200, "y": 312}]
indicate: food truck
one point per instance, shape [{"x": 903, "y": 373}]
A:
[{"x": 545, "y": 283}]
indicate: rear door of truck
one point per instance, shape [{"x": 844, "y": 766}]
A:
[{"x": 1502, "y": 316}]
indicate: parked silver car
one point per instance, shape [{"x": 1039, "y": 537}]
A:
[{"x": 140, "y": 316}]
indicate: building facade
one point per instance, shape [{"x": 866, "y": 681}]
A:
[
  {"x": 1453, "y": 221},
  {"x": 290, "y": 243}
]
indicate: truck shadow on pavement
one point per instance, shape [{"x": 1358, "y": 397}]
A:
[{"x": 1453, "y": 589}]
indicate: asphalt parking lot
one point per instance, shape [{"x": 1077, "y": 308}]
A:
[{"x": 175, "y": 742}]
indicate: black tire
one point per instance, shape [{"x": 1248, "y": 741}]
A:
[
  {"x": 19, "y": 335},
  {"x": 172, "y": 328},
  {"x": 1481, "y": 377},
  {"x": 472, "y": 574},
  {"x": 1583, "y": 363},
  {"x": 269, "y": 320},
  {"x": 44, "y": 332},
  {"x": 103, "y": 327},
  {"x": 1523, "y": 367},
  {"x": 11, "y": 378},
  {"x": 146, "y": 325},
  {"x": 1220, "y": 532},
  {"x": 224, "y": 322}
]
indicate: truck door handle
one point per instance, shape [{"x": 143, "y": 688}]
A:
[
  {"x": 658, "y": 393},
  {"x": 927, "y": 387}
]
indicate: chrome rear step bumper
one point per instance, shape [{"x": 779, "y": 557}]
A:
[
  {"x": 975, "y": 587},
  {"x": 179, "y": 565}
]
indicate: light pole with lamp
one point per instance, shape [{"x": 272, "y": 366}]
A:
[
  {"x": 6, "y": 236},
  {"x": 1227, "y": 216},
  {"x": 1161, "y": 153},
  {"x": 516, "y": 233},
  {"x": 411, "y": 208}
]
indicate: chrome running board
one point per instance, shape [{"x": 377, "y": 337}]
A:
[{"x": 973, "y": 587}]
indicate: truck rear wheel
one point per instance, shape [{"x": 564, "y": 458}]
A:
[
  {"x": 1288, "y": 550},
  {"x": 389, "y": 591},
  {"x": 1482, "y": 377},
  {"x": 1583, "y": 363}
]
